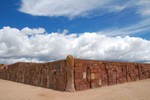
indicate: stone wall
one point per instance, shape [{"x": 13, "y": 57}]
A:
[
  {"x": 92, "y": 73},
  {"x": 74, "y": 74},
  {"x": 2, "y": 66},
  {"x": 50, "y": 75}
]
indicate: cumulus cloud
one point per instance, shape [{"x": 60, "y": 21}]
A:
[
  {"x": 34, "y": 31},
  {"x": 16, "y": 46},
  {"x": 68, "y": 8}
]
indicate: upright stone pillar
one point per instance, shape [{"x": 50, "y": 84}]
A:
[{"x": 70, "y": 73}]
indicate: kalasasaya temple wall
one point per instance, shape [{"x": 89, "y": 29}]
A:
[{"x": 74, "y": 74}]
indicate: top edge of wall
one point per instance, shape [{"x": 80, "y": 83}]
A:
[{"x": 111, "y": 61}]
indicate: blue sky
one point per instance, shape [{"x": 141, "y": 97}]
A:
[
  {"x": 11, "y": 16},
  {"x": 110, "y": 18}
]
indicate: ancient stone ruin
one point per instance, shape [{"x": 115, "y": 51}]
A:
[{"x": 74, "y": 74}]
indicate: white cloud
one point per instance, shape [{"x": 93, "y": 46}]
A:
[
  {"x": 16, "y": 46},
  {"x": 138, "y": 28},
  {"x": 74, "y": 8},
  {"x": 68, "y": 8},
  {"x": 34, "y": 31},
  {"x": 143, "y": 7}
]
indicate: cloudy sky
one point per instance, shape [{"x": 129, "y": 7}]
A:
[{"x": 48, "y": 30}]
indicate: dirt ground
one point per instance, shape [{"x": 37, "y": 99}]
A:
[{"x": 139, "y": 90}]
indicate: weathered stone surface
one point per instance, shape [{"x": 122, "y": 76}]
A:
[
  {"x": 102, "y": 73},
  {"x": 49, "y": 75},
  {"x": 70, "y": 73},
  {"x": 74, "y": 74}
]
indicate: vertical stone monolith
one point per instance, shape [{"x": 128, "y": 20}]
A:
[{"x": 70, "y": 73}]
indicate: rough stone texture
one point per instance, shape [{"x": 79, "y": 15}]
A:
[
  {"x": 74, "y": 74},
  {"x": 50, "y": 75},
  {"x": 70, "y": 73},
  {"x": 3, "y": 66},
  {"x": 103, "y": 73}
]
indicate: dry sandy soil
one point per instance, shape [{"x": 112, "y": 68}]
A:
[{"x": 139, "y": 90}]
